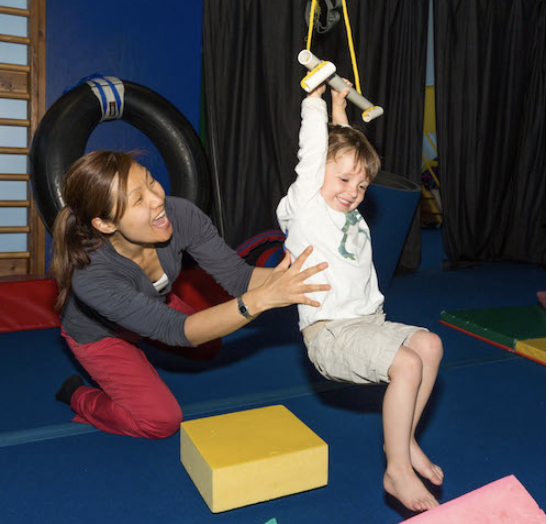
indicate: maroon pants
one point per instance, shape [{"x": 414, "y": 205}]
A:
[{"x": 133, "y": 399}]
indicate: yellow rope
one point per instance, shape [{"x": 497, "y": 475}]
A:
[
  {"x": 312, "y": 13},
  {"x": 351, "y": 49},
  {"x": 311, "y": 18}
]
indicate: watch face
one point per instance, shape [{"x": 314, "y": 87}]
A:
[{"x": 243, "y": 310}]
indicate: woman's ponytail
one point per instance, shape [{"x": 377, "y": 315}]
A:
[{"x": 71, "y": 248}]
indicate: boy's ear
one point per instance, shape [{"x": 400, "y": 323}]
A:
[{"x": 103, "y": 226}]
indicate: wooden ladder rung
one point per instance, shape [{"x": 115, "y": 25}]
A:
[
  {"x": 14, "y": 254},
  {"x": 14, "y": 11},
  {"x": 13, "y": 177},
  {"x": 14, "y": 122},
  {"x": 14, "y": 67},
  {"x": 14, "y": 150},
  {"x": 15, "y": 96},
  {"x": 14, "y": 203},
  {"x": 15, "y": 229},
  {"x": 12, "y": 39}
]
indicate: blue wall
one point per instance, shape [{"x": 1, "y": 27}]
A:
[{"x": 157, "y": 44}]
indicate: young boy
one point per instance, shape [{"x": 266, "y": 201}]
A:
[{"x": 348, "y": 337}]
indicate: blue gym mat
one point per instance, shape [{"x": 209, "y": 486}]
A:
[
  {"x": 106, "y": 478},
  {"x": 486, "y": 421}
]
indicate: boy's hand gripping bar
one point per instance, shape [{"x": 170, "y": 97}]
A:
[{"x": 320, "y": 72}]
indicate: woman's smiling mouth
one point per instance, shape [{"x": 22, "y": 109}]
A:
[{"x": 161, "y": 221}]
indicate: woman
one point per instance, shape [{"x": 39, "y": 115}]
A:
[{"x": 118, "y": 247}]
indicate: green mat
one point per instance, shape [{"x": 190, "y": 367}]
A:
[{"x": 504, "y": 325}]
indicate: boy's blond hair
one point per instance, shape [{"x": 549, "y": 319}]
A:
[{"x": 344, "y": 138}]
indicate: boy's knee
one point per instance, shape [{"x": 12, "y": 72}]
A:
[
  {"x": 434, "y": 347},
  {"x": 415, "y": 365},
  {"x": 407, "y": 365},
  {"x": 428, "y": 345}
]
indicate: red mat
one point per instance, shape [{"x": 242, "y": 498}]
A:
[{"x": 29, "y": 304}]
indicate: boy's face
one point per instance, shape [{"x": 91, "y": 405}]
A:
[{"x": 345, "y": 182}]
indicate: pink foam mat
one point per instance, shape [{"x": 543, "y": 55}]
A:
[{"x": 504, "y": 501}]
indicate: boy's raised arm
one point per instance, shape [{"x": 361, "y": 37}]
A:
[
  {"x": 339, "y": 103},
  {"x": 312, "y": 153}
]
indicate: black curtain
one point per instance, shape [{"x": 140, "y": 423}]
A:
[
  {"x": 490, "y": 110},
  {"x": 253, "y": 95}
]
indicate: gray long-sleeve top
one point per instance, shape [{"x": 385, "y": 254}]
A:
[{"x": 113, "y": 297}]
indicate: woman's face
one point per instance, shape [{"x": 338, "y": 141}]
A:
[{"x": 144, "y": 220}]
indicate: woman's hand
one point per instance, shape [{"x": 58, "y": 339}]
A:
[
  {"x": 286, "y": 285},
  {"x": 283, "y": 286}
]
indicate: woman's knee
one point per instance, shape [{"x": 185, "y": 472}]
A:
[{"x": 162, "y": 424}]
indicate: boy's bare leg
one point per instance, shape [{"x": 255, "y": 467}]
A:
[
  {"x": 398, "y": 409},
  {"x": 429, "y": 348}
]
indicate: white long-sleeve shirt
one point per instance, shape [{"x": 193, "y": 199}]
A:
[{"x": 307, "y": 220}]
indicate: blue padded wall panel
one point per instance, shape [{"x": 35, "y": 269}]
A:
[
  {"x": 388, "y": 208},
  {"x": 155, "y": 44}
]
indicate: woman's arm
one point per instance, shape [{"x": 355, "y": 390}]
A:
[
  {"x": 259, "y": 276},
  {"x": 281, "y": 287}
]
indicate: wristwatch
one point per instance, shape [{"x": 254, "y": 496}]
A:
[{"x": 243, "y": 309}]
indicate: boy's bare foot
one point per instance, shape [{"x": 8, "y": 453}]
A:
[
  {"x": 406, "y": 487},
  {"x": 423, "y": 465}
]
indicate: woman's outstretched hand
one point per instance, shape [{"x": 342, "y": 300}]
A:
[
  {"x": 286, "y": 284},
  {"x": 273, "y": 288}
]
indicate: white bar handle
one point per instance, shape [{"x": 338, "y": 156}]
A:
[
  {"x": 317, "y": 76},
  {"x": 370, "y": 111}
]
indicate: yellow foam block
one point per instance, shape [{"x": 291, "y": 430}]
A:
[
  {"x": 534, "y": 348},
  {"x": 252, "y": 456}
]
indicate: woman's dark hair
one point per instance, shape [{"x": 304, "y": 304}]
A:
[
  {"x": 87, "y": 193},
  {"x": 344, "y": 138}
]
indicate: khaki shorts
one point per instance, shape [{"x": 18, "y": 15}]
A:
[{"x": 359, "y": 350}]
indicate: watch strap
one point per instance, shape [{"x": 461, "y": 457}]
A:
[{"x": 243, "y": 309}]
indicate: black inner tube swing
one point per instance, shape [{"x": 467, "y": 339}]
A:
[{"x": 63, "y": 133}]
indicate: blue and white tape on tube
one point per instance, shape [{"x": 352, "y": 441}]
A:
[{"x": 110, "y": 92}]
